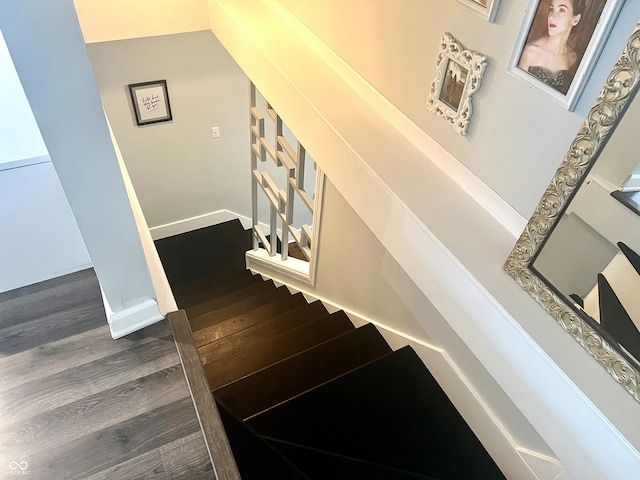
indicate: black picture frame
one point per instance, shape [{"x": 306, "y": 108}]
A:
[{"x": 150, "y": 102}]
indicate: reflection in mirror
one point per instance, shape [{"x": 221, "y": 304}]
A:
[
  {"x": 577, "y": 256},
  {"x": 581, "y": 256}
]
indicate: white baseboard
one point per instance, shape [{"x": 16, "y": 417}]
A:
[
  {"x": 199, "y": 221},
  {"x": 133, "y": 318}
]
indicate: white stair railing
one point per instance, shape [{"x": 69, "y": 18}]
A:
[{"x": 291, "y": 183}]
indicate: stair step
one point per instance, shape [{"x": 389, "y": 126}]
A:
[
  {"x": 216, "y": 325},
  {"x": 232, "y": 297},
  {"x": 320, "y": 465},
  {"x": 390, "y": 412},
  {"x": 214, "y": 279},
  {"x": 299, "y": 373},
  {"x": 262, "y": 331},
  {"x": 255, "y": 458},
  {"x": 229, "y": 284},
  {"x": 292, "y": 342},
  {"x": 195, "y": 254}
]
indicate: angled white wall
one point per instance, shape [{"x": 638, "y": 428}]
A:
[
  {"x": 40, "y": 239},
  {"x": 45, "y": 42}
]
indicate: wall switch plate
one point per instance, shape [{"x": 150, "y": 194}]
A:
[{"x": 215, "y": 132}]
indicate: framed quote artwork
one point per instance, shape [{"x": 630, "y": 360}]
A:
[{"x": 150, "y": 102}]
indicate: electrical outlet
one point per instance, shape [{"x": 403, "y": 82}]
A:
[{"x": 215, "y": 132}]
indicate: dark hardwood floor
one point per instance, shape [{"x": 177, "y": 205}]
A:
[{"x": 76, "y": 404}]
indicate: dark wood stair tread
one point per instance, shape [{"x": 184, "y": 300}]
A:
[
  {"x": 230, "y": 298},
  {"x": 320, "y": 465},
  {"x": 292, "y": 342},
  {"x": 214, "y": 279},
  {"x": 230, "y": 284},
  {"x": 391, "y": 412},
  {"x": 253, "y": 335},
  {"x": 299, "y": 373},
  {"x": 255, "y": 458},
  {"x": 194, "y": 254},
  {"x": 215, "y": 325}
]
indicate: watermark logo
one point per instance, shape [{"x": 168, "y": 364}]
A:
[{"x": 19, "y": 468}]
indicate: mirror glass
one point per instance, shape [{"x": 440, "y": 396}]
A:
[{"x": 584, "y": 258}]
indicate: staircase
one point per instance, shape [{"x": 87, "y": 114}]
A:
[{"x": 302, "y": 393}]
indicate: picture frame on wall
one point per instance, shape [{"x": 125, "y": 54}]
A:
[
  {"x": 458, "y": 76},
  {"x": 150, "y": 102},
  {"x": 578, "y": 29},
  {"x": 485, "y": 8}
]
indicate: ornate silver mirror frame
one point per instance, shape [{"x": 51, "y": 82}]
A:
[{"x": 620, "y": 88}]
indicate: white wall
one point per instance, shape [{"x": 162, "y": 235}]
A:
[
  {"x": 39, "y": 239},
  {"x": 517, "y": 137},
  {"x": 178, "y": 170},
  {"x": 19, "y": 134},
  {"x": 48, "y": 52}
]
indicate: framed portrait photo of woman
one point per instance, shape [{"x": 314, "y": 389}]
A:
[{"x": 559, "y": 43}]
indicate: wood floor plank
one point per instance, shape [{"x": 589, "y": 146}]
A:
[
  {"x": 63, "y": 378},
  {"x": 54, "y": 357},
  {"x": 50, "y": 297},
  {"x": 183, "y": 459},
  {"x": 282, "y": 303},
  {"x": 111, "y": 446},
  {"x": 87, "y": 379},
  {"x": 54, "y": 326},
  {"x": 89, "y": 414},
  {"x": 257, "y": 333}
]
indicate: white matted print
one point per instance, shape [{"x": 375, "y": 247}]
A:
[
  {"x": 559, "y": 43},
  {"x": 485, "y": 8},
  {"x": 459, "y": 73},
  {"x": 150, "y": 102}
]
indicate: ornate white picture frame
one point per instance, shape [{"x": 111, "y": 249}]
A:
[
  {"x": 459, "y": 74},
  {"x": 485, "y": 8},
  {"x": 586, "y": 39}
]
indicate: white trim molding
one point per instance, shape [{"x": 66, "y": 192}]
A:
[
  {"x": 133, "y": 318},
  {"x": 194, "y": 223}
]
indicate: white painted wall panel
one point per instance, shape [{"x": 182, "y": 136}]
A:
[
  {"x": 39, "y": 238},
  {"x": 19, "y": 134}
]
